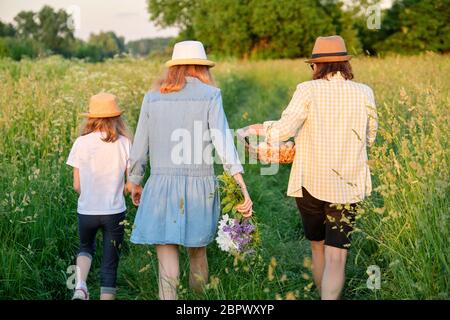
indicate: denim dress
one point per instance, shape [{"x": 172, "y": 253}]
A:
[{"x": 179, "y": 133}]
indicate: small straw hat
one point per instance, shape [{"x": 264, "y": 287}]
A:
[
  {"x": 189, "y": 53},
  {"x": 103, "y": 105},
  {"x": 329, "y": 49}
]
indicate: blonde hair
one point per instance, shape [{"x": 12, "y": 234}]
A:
[
  {"x": 113, "y": 128},
  {"x": 175, "y": 77}
]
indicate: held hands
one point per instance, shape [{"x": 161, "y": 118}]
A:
[{"x": 136, "y": 192}]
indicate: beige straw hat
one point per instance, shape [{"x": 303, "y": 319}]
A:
[
  {"x": 329, "y": 49},
  {"x": 103, "y": 105},
  {"x": 189, "y": 53}
]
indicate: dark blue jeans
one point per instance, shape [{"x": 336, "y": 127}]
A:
[{"x": 113, "y": 233}]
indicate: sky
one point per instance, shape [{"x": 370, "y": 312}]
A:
[{"x": 128, "y": 18}]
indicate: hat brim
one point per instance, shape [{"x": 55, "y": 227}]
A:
[
  {"x": 329, "y": 59},
  {"x": 102, "y": 115},
  {"x": 200, "y": 62}
]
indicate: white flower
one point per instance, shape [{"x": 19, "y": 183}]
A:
[
  {"x": 224, "y": 221},
  {"x": 223, "y": 238}
]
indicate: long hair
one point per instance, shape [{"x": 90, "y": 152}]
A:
[
  {"x": 175, "y": 77},
  {"x": 112, "y": 128},
  {"x": 327, "y": 69}
]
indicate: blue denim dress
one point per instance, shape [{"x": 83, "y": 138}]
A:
[{"x": 178, "y": 132}]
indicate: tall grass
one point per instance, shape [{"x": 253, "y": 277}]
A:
[{"x": 404, "y": 228}]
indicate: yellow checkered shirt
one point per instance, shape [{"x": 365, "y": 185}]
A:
[{"x": 333, "y": 121}]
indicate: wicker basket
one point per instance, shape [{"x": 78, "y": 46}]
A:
[{"x": 283, "y": 152}]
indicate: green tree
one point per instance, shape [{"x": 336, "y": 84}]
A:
[
  {"x": 109, "y": 43},
  {"x": 288, "y": 29},
  {"x": 256, "y": 28},
  {"x": 7, "y": 30},
  {"x": 47, "y": 26},
  {"x": 27, "y": 25},
  {"x": 144, "y": 47},
  {"x": 54, "y": 32},
  {"x": 87, "y": 51},
  {"x": 19, "y": 48},
  {"x": 224, "y": 26},
  {"x": 177, "y": 13},
  {"x": 408, "y": 26},
  {"x": 414, "y": 25}
]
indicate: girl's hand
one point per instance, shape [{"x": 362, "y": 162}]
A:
[
  {"x": 136, "y": 192},
  {"x": 127, "y": 188},
  {"x": 246, "y": 208}
]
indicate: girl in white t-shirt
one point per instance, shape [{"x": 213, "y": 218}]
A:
[{"x": 99, "y": 158}]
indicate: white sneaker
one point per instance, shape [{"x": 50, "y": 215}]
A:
[{"x": 80, "y": 294}]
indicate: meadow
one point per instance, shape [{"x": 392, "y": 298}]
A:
[{"x": 403, "y": 227}]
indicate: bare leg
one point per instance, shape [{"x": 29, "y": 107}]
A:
[
  {"x": 318, "y": 262},
  {"x": 198, "y": 276},
  {"x": 334, "y": 273},
  {"x": 169, "y": 271},
  {"x": 84, "y": 265}
]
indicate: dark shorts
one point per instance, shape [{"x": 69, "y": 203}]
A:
[{"x": 324, "y": 221}]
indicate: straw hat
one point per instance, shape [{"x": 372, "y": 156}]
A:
[
  {"x": 189, "y": 52},
  {"x": 103, "y": 105},
  {"x": 329, "y": 49}
]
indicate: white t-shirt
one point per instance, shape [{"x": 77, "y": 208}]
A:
[{"x": 102, "y": 166}]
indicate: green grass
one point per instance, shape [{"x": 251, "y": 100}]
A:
[{"x": 404, "y": 229}]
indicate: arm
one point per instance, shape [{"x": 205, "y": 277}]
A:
[
  {"x": 372, "y": 120},
  {"x": 73, "y": 160},
  {"x": 139, "y": 154},
  {"x": 291, "y": 119},
  {"x": 140, "y": 148},
  {"x": 222, "y": 138},
  {"x": 128, "y": 185},
  {"x": 224, "y": 144},
  {"x": 76, "y": 180}
]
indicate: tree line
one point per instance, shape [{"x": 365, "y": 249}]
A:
[
  {"x": 48, "y": 31},
  {"x": 259, "y": 29},
  {"x": 288, "y": 28}
]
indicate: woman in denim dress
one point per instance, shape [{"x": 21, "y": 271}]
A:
[{"x": 179, "y": 126}]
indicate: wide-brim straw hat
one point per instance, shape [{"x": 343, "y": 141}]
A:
[
  {"x": 329, "y": 49},
  {"x": 189, "y": 53},
  {"x": 103, "y": 105}
]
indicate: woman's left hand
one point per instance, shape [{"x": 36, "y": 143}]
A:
[{"x": 246, "y": 208}]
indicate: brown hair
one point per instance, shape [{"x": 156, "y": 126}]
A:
[
  {"x": 175, "y": 78},
  {"x": 112, "y": 127},
  {"x": 326, "y": 69}
]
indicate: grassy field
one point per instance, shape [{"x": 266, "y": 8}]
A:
[{"x": 404, "y": 228}]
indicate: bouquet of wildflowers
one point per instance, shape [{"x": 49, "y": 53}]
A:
[{"x": 236, "y": 235}]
